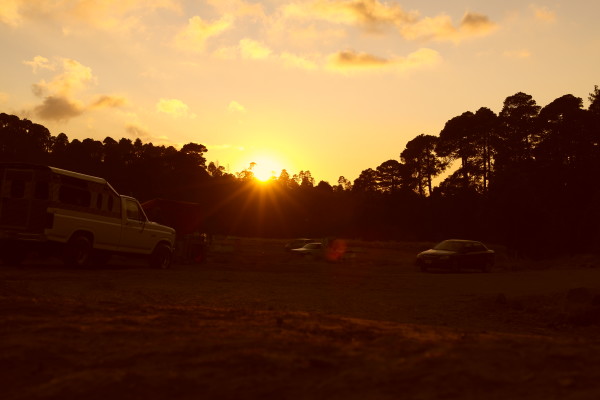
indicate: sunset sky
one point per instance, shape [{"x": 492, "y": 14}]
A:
[{"x": 330, "y": 86}]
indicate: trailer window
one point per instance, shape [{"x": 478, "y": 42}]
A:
[
  {"x": 17, "y": 189},
  {"x": 42, "y": 191}
]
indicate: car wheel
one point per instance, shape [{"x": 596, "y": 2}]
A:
[
  {"x": 161, "y": 257},
  {"x": 455, "y": 266},
  {"x": 77, "y": 252}
]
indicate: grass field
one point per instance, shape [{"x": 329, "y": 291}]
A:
[{"x": 254, "y": 323}]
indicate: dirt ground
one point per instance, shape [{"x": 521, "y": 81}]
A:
[{"x": 253, "y": 322}]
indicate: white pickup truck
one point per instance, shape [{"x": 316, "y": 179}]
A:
[{"x": 77, "y": 217}]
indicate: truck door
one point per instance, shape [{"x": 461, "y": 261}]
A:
[{"x": 135, "y": 238}]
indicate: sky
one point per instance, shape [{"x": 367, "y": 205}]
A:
[{"x": 330, "y": 86}]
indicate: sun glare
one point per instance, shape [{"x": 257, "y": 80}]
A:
[{"x": 264, "y": 169}]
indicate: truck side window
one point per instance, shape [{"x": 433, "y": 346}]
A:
[{"x": 99, "y": 201}]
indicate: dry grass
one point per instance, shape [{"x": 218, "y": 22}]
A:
[{"x": 254, "y": 323}]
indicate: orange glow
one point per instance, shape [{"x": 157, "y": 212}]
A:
[{"x": 265, "y": 168}]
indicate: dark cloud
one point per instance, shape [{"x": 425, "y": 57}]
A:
[
  {"x": 350, "y": 59},
  {"x": 58, "y": 108},
  {"x": 476, "y": 23},
  {"x": 137, "y": 132},
  {"x": 106, "y": 101}
]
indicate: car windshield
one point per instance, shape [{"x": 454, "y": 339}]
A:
[{"x": 449, "y": 245}]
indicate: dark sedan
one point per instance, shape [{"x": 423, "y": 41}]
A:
[{"x": 456, "y": 255}]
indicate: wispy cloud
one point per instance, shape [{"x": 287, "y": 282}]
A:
[
  {"x": 442, "y": 29},
  {"x": 197, "y": 32},
  {"x": 106, "y": 101},
  {"x": 39, "y": 63},
  {"x": 251, "y": 49},
  {"x": 107, "y": 15},
  {"x": 349, "y": 60},
  {"x": 378, "y": 16},
  {"x": 10, "y": 13},
  {"x": 543, "y": 13},
  {"x": 372, "y": 15},
  {"x": 238, "y": 8},
  {"x": 174, "y": 107},
  {"x": 234, "y": 106}
]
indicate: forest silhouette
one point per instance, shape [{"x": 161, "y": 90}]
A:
[{"x": 525, "y": 178}]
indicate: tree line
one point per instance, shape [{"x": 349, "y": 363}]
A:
[{"x": 524, "y": 178}]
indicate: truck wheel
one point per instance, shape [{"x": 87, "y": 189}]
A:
[
  {"x": 161, "y": 257},
  {"x": 77, "y": 252}
]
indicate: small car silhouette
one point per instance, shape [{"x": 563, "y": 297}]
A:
[{"x": 457, "y": 254}]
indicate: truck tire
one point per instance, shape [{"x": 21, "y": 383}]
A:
[
  {"x": 161, "y": 257},
  {"x": 77, "y": 252}
]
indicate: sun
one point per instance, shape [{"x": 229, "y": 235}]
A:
[{"x": 263, "y": 170}]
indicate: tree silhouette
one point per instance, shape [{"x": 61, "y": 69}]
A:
[
  {"x": 525, "y": 178},
  {"x": 390, "y": 176},
  {"x": 422, "y": 162}
]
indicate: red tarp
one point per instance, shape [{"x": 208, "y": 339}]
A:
[{"x": 183, "y": 216}]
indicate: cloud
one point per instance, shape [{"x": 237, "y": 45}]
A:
[
  {"x": 349, "y": 60},
  {"x": 58, "y": 108},
  {"x": 107, "y": 15},
  {"x": 61, "y": 94},
  {"x": 137, "y": 131},
  {"x": 195, "y": 35},
  {"x": 106, "y": 101},
  {"x": 441, "y": 28},
  {"x": 173, "y": 107},
  {"x": 370, "y": 14},
  {"x": 74, "y": 78},
  {"x": 39, "y": 63},
  {"x": 542, "y": 13},
  {"x": 234, "y": 106},
  {"x": 377, "y": 16},
  {"x": 10, "y": 13},
  {"x": 251, "y": 49},
  {"x": 238, "y": 8}
]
